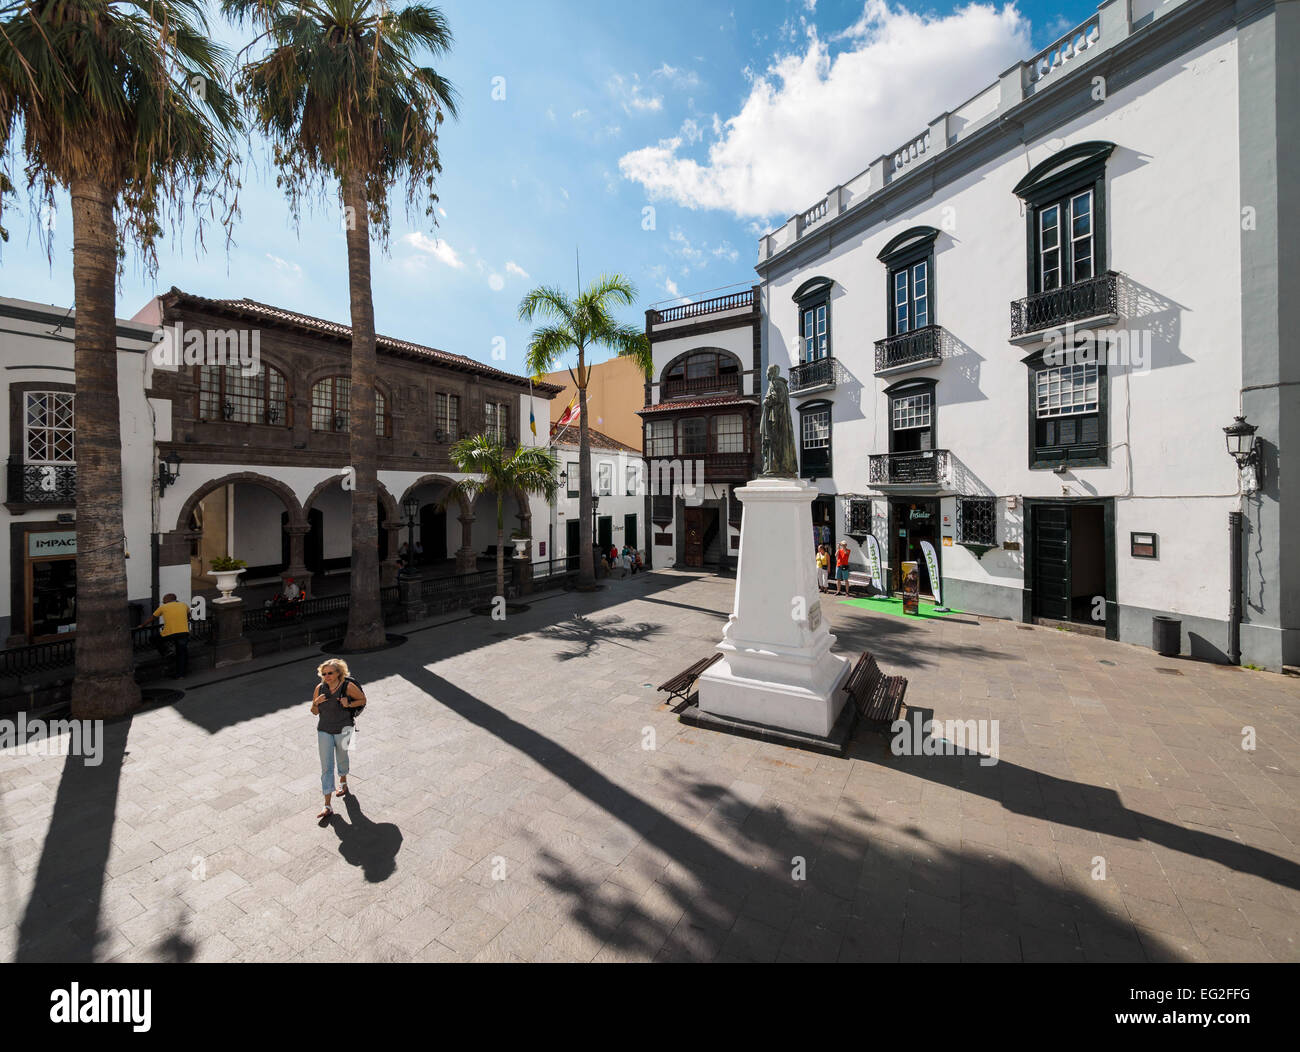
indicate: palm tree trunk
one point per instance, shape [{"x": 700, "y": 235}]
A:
[
  {"x": 501, "y": 541},
  {"x": 365, "y": 615},
  {"x": 105, "y": 684},
  {"x": 586, "y": 564}
]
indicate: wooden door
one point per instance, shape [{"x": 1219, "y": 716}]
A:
[
  {"x": 694, "y": 548},
  {"x": 1051, "y": 555}
]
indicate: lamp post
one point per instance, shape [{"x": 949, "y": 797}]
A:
[
  {"x": 412, "y": 508},
  {"x": 169, "y": 470},
  {"x": 1240, "y": 437}
]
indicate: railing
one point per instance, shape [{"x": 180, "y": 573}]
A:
[
  {"x": 731, "y": 301},
  {"x": 911, "y": 151},
  {"x": 926, "y": 467},
  {"x": 824, "y": 372},
  {"x": 1096, "y": 297},
  {"x": 816, "y": 214},
  {"x": 908, "y": 348},
  {"x": 266, "y": 617},
  {"x": 699, "y": 385},
  {"x": 1052, "y": 58},
  {"x": 41, "y": 483},
  {"x": 37, "y": 657}
]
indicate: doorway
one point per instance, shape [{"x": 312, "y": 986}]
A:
[
  {"x": 433, "y": 532},
  {"x": 52, "y": 592},
  {"x": 823, "y": 519},
  {"x": 630, "y": 537},
  {"x": 911, "y": 522},
  {"x": 1071, "y": 563},
  {"x": 605, "y": 533},
  {"x": 572, "y": 541}
]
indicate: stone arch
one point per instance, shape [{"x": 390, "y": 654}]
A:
[
  {"x": 681, "y": 359},
  {"x": 427, "y": 480},
  {"x": 385, "y": 498},
  {"x": 297, "y": 517}
]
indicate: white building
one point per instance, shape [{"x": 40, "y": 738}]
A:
[
  {"x": 1073, "y": 281},
  {"x": 38, "y": 574},
  {"x": 617, "y": 486},
  {"x": 701, "y": 426}
]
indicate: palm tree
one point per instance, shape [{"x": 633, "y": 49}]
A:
[
  {"x": 576, "y": 325},
  {"x": 529, "y": 470},
  {"x": 122, "y": 104},
  {"x": 341, "y": 98}
]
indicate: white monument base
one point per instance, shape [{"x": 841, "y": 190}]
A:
[{"x": 777, "y": 669}]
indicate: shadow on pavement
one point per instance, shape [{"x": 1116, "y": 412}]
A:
[{"x": 372, "y": 846}]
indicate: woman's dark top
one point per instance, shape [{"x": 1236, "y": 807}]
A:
[{"x": 333, "y": 716}]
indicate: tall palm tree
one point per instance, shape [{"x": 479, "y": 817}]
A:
[
  {"x": 529, "y": 470},
  {"x": 338, "y": 92},
  {"x": 122, "y": 104},
  {"x": 575, "y": 325}
]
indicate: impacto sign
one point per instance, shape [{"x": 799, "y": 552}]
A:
[{"x": 44, "y": 545}]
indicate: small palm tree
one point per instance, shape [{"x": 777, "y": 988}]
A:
[
  {"x": 122, "y": 104},
  {"x": 341, "y": 97},
  {"x": 576, "y": 325},
  {"x": 529, "y": 470}
]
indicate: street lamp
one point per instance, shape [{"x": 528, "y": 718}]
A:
[
  {"x": 1240, "y": 437},
  {"x": 169, "y": 470},
  {"x": 412, "y": 508}
]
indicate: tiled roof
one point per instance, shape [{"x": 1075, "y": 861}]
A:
[
  {"x": 597, "y": 439},
  {"x": 266, "y": 312},
  {"x": 696, "y": 403}
]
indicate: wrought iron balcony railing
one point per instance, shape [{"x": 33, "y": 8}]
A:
[
  {"x": 41, "y": 483},
  {"x": 922, "y": 468},
  {"x": 918, "y": 347},
  {"x": 731, "y": 301},
  {"x": 699, "y": 385},
  {"x": 1094, "y": 298},
  {"x": 824, "y": 373}
]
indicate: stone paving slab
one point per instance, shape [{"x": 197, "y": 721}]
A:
[{"x": 522, "y": 794}]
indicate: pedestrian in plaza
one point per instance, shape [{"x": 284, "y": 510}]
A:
[
  {"x": 842, "y": 569},
  {"x": 823, "y": 567},
  {"x": 334, "y": 703},
  {"x": 175, "y": 630}
]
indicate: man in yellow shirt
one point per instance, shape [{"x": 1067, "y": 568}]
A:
[{"x": 175, "y": 629}]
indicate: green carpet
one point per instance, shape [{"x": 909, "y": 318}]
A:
[{"x": 881, "y": 605}]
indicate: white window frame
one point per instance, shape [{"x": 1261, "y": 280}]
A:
[
  {"x": 816, "y": 428},
  {"x": 911, "y": 411},
  {"x": 69, "y": 432},
  {"x": 1077, "y": 393}
]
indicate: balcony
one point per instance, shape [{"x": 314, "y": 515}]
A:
[
  {"x": 926, "y": 469},
  {"x": 821, "y": 375},
  {"x": 48, "y": 484},
  {"x": 682, "y": 312},
  {"x": 1095, "y": 300},
  {"x": 697, "y": 386},
  {"x": 908, "y": 350}
]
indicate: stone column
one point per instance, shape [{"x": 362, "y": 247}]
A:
[
  {"x": 229, "y": 644},
  {"x": 465, "y": 556},
  {"x": 521, "y": 575},
  {"x": 297, "y": 568},
  {"x": 413, "y": 606},
  {"x": 388, "y": 568}
]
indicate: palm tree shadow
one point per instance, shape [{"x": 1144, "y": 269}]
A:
[
  {"x": 373, "y": 846},
  {"x": 588, "y": 634}
]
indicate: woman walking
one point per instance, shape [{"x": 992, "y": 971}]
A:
[
  {"x": 823, "y": 567},
  {"x": 335, "y": 702}
]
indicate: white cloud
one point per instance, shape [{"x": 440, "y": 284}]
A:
[
  {"x": 579, "y": 115},
  {"x": 691, "y": 131},
  {"x": 285, "y": 265},
  {"x": 514, "y": 268},
  {"x": 788, "y": 142},
  {"x": 496, "y": 282},
  {"x": 725, "y": 251},
  {"x": 632, "y": 96},
  {"x": 677, "y": 77},
  {"x": 435, "y": 247}
]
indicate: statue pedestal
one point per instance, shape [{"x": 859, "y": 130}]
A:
[{"x": 777, "y": 669}]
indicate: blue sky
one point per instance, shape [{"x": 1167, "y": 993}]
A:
[{"x": 724, "y": 118}]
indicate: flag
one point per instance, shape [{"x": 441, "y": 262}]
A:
[
  {"x": 532, "y": 421},
  {"x": 571, "y": 414}
]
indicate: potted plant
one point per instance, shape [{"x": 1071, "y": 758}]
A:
[
  {"x": 521, "y": 540},
  {"x": 226, "y": 570}
]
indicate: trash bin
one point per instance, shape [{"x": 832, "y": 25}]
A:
[{"x": 1166, "y": 636}]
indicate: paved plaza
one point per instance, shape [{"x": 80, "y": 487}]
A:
[{"x": 523, "y": 794}]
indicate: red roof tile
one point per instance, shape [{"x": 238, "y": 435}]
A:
[{"x": 697, "y": 403}]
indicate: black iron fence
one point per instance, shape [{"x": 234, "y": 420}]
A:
[
  {"x": 41, "y": 483},
  {"x": 1094, "y": 298},
  {"x": 909, "y": 348},
  {"x": 824, "y": 372},
  {"x": 926, "y": 467}
]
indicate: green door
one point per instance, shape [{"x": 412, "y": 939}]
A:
[
  {"x": 572, "y": 528},
  {"x": 605, "y": 533},
  {"x": 1051, "y": 557},
  {"x": 629, "y": 531}
]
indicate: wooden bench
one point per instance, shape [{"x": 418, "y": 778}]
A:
[
  {"x": 858, "y": 579},
  {"x": 877, "y": 697},
  {"x": 679, "y": 687}
]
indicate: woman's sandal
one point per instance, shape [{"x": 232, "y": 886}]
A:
[
  {"x": 327, "y": 813},
  {"x": 342, "y": 789}
]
